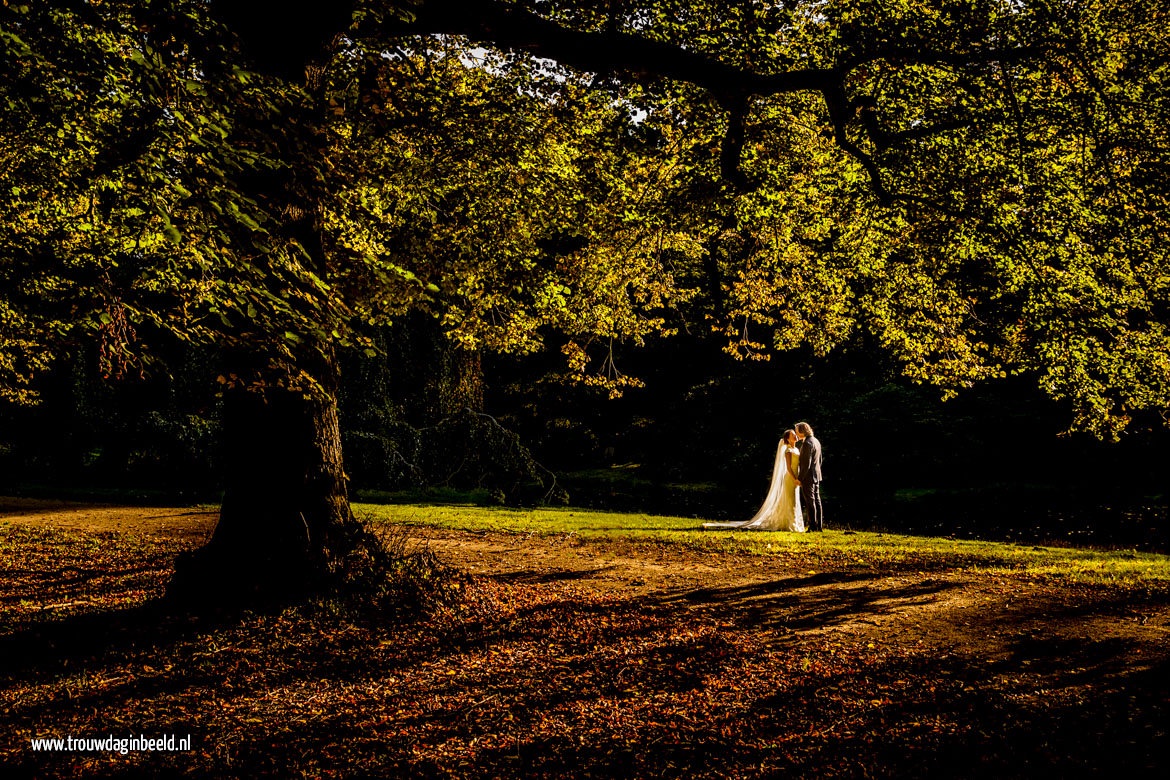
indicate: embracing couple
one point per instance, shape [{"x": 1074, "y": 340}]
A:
[{"x": 796, "y": 485}]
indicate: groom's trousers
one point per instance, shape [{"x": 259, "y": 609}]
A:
[{"x": 810, "y": 501}]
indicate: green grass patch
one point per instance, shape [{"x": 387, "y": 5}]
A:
[
  {"x": 831, "y": 549},
  {"x": 429, "y": 495}
]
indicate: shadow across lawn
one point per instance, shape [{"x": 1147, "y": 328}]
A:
[
  {"x": 544, "y": 676},
  {"x": 805, "y": 602}
]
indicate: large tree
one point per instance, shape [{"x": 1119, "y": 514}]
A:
[{"x": 981, "y": 185}]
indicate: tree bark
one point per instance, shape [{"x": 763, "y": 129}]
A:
[
  {"x": 285, "y": 523},
  {"x": 285, "y": 526}
]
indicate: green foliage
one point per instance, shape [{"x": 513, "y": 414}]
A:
[
  {"x": 125, "y": 219},
  {"x": 500, "y": 198},
  {"x": 980, "y": 186},
  {"x": 980, "y": 213}
]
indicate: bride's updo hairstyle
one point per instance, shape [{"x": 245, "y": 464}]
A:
[{"x": 788, "y": 433}]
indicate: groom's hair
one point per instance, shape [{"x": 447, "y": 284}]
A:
[{"x": 805, "y": 428}]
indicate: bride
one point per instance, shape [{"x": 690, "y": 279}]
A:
[{"x": 781, "y": 509}]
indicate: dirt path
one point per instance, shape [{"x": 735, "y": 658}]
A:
[
  {"x": 979, "y": 615},
  {"x": 959, "y": 612},
  {"x": 745, "y": 583},
  {"x": 194, "y": 522},
  {"x": 626, "y": 658}
]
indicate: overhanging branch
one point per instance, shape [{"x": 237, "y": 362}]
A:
[{"x": 508, "y": 26}]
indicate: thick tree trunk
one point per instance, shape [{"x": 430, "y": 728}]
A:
[{"x": 285, "y": 525}]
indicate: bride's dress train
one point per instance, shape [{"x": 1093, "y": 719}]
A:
[{"x": 781, "y": 508}]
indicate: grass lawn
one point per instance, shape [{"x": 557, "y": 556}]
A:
[
  {"x": 846, "y": 549},
  {"x": 582, "y": 643}
]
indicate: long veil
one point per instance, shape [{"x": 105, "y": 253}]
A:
[
  {"x": 776, "y": 491},
  {"x": 772, "y": 500}
]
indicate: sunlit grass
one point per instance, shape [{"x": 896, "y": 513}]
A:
[{"x": 836, "y": 549}]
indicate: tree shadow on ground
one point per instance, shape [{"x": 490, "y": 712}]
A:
[
  {"x": 552, "y": 679},
  {"x": 803, "y": 603},
  {"x": 51, "y": 643},
  {"x": 17, "y": 584},
  {"x": 970, "y": 720}
]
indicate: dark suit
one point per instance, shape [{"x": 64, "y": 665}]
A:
[{"x": 809, "y": 473}]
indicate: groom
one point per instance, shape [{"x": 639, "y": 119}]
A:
[{"x": 808, "y": 477}]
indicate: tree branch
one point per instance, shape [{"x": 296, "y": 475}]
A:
[
  {"x": 507, "y": 26},
  {"x": 732, "y": 147},
  {"x": 504, "y": 25}
]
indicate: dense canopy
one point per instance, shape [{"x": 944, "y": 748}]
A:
[{"x": 979, "y": 185}]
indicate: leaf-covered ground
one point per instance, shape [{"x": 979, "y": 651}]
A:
[{"x": 598, "y": 656}]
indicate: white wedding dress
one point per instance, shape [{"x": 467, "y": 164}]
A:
[{"x": 781, "y": 508}]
